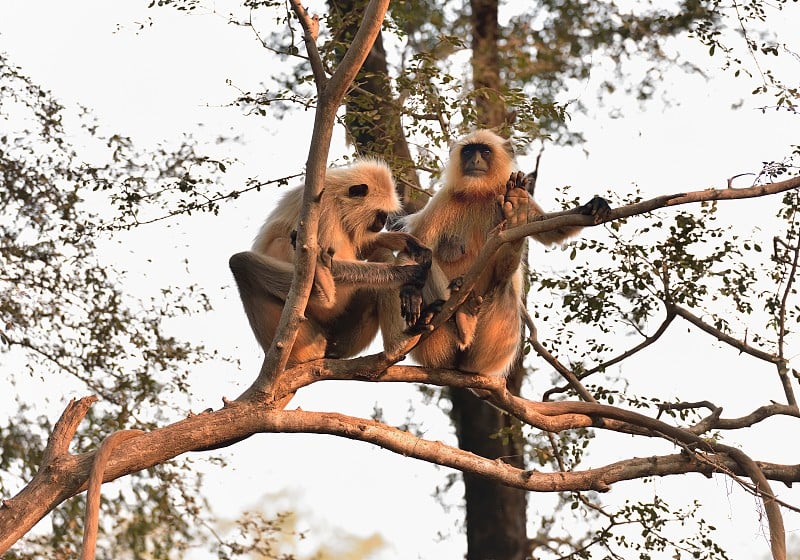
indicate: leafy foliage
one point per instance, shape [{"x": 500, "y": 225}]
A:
[{"x": 63, "y": 310}]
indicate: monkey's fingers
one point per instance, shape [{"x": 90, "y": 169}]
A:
[
  {"x": 410, "y": 303},
  {"x": 419, "y": 252},
  {"x": 427, "y": 313},
  {"x": 515, "y": 181}
]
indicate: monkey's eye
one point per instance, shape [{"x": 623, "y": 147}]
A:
[{"x": 358, "y": 190}]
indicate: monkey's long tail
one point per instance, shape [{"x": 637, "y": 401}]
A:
[{"x": 93, "y": 489}]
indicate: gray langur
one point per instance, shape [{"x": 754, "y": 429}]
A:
[
  {"x": 341, "y": 313},
  {"x": 480, "y": 190}
]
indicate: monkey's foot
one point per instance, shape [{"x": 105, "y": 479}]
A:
[
  {"x": 426, "y": 315},
  {"x": 455, "y": 284},
  {"x": 598, "y": 208}
]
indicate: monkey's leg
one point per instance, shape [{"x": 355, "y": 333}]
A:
[
  {"x": 274, "y": 276},
  {"x": 355, "y": 328},
  {"x": 263, "y": 283},
  {"x": 497, "y": 337},
  {"x": 262, "y": 307},
  {"x": 439, "y": 348}
]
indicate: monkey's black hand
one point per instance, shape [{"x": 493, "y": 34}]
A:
[
  {"x": 293, "y": 239},
  {"x": 410, "y": 303},
  {"x": 598, "y": 208},
  {"x": 419, "y": 252},
  {"x": 426, "y": 314}
]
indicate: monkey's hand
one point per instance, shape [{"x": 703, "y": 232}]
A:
[
  {"x": 411, "y": 290},
  {"x": 598, "y": 208},
  {"x": 418, "y": 252},
  {"x": 410, "y": 303},
  {"x": 516, "y": 202}
]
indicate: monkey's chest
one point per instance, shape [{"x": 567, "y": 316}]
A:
[{"x": 456, "y": 251}]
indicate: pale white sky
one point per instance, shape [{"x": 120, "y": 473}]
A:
[{"x": 159, "y": 83}]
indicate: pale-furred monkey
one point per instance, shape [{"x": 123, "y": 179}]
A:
[
  {"x": 342, "y": 315},
  {"x": 480, "y": 189}
]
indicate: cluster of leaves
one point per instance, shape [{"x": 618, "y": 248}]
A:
[
  {"x": 644, "y": 530},
  {"x": 684, "y": 259},
  {"x": 760, "y": 43},
  {"x": 64, "y": 317}
]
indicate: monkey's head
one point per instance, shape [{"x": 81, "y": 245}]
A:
[
  {"x": 480, "y": 164},
  {"x": 365, "y": 196}
]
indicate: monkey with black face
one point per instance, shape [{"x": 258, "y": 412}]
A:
[
  {"x": 480, "y": 190},
  {"x": 342, "y": 314}
]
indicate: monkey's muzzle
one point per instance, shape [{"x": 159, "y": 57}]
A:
[{"x": 379, "y": 221}]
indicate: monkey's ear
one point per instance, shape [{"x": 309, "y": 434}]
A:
[{"x": 358, "y": 190}]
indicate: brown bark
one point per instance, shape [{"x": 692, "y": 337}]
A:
[
  {"x": 373, "y": 113},
  {"x": 62, "y": 475},
  {"x": 330, "y": 94},
  {"x": 495, "y": 515},
  {"x": 486, "y": 81}
]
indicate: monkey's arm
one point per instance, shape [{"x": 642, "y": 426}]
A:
[
  {"x": 378, "y": 274},
  {"x": 399, "y": 241},
  {"x": 517, "y": 200},
  {"x": 256, "y": 273}
]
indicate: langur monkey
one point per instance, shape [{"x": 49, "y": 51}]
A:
[
  {"x": 341, "y": 313},
  {"x": 480, "y": 190}
]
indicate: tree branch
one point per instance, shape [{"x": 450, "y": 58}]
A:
[
  {"x": 331, "y": 95},
  {"x": 65, "y": 475}
]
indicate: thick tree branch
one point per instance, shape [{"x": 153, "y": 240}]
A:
[
  {"x": 65, "y": 475},
  {"x": 555, "y": 220},
  {"x": 331, "y": 95}
]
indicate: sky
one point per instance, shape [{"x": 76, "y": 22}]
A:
[{"x": 160, "y": 81}]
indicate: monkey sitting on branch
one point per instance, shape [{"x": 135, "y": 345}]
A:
[
  {"x": 481, "y": 189},
  {"x": 341, "y": 313}
]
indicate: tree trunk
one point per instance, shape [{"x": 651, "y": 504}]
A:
[
  {"x": 486, "y": 79},
  {"x": 496, "y": 515},
  {"x": 495, "y": 519},
  {"x": 372, "y": 112}
]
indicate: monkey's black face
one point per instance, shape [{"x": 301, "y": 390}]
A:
[
  {"x": 379, "y": 221},
  {"x": 476, "y": 159}
]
